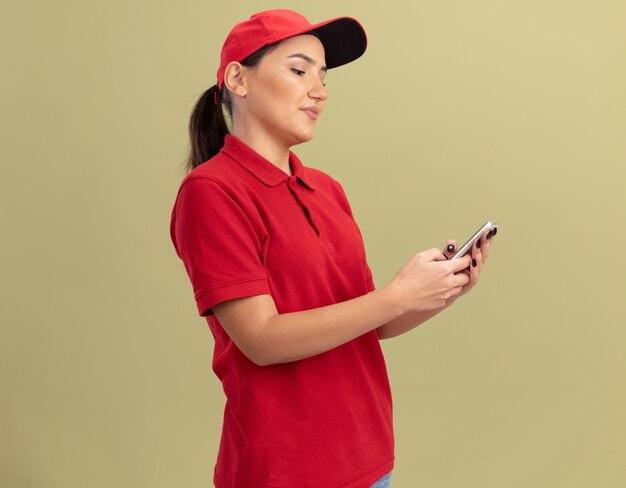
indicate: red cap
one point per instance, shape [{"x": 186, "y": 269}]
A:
[{"x": 343, "y": 38}]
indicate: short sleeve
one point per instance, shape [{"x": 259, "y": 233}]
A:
[{"x": 217, "y": 243}]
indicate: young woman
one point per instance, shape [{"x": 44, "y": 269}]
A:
[{"x": 278, "y": 268}]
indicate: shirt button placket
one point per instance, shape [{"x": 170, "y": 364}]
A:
[{"x": 294, "y": 188}]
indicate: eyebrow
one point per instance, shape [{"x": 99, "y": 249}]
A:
[{"x": 307, "y": 59}]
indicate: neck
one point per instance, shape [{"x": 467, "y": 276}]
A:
[{"x": 274, "y": 152}]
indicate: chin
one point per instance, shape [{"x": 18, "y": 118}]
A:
[{"x": 305, "y": 136}]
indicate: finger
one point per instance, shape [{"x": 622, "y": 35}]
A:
[
  {"x": 460, "y": 264},
  {"x": 490, "y": 235},
  {"x": 433, "y": 254},
  {"x": 455, "y": 291},
  {"x": 450, "y": 248},
  {"x": 461, "y": 279},
  {"x": 485, "y": 250},
  {"x": 476, "y": 266},
  {"x": 479, "y": 242}
]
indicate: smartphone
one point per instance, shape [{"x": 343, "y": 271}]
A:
[{"x": 489, "y": 226}]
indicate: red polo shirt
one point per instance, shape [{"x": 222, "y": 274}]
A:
[{"x": 243, "y": 227}]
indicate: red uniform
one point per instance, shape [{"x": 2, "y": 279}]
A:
[{"x": 243, "y": 227}]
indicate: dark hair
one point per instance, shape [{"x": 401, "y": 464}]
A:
[{"x": 207, "y": 125}]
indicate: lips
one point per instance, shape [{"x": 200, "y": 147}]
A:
[{"x": 312, "y": 112}]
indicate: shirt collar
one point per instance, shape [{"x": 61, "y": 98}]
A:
[{"x": 260, "y": 167}]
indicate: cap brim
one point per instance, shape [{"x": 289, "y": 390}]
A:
[{"x": 343, "y": 38}]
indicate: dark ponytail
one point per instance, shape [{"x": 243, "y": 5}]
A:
[{"x": 207, "y": 125}]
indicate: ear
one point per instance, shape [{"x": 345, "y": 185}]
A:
[{"x": 235, "y": 79}]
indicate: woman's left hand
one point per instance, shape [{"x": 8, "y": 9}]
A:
[{"x": 480, "y": 253}]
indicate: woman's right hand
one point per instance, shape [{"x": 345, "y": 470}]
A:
[{"x": 428, "y": 280}]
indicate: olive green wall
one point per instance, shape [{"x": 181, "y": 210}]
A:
[{"x": 459, "y": 112}]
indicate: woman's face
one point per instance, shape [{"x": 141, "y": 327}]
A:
[{"x": 285, "y": 93}]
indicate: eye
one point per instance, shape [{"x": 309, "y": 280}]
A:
[{"x": 297, "y": 71}]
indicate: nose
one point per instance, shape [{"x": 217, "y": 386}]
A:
[{"x": 318, "y": 90}]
